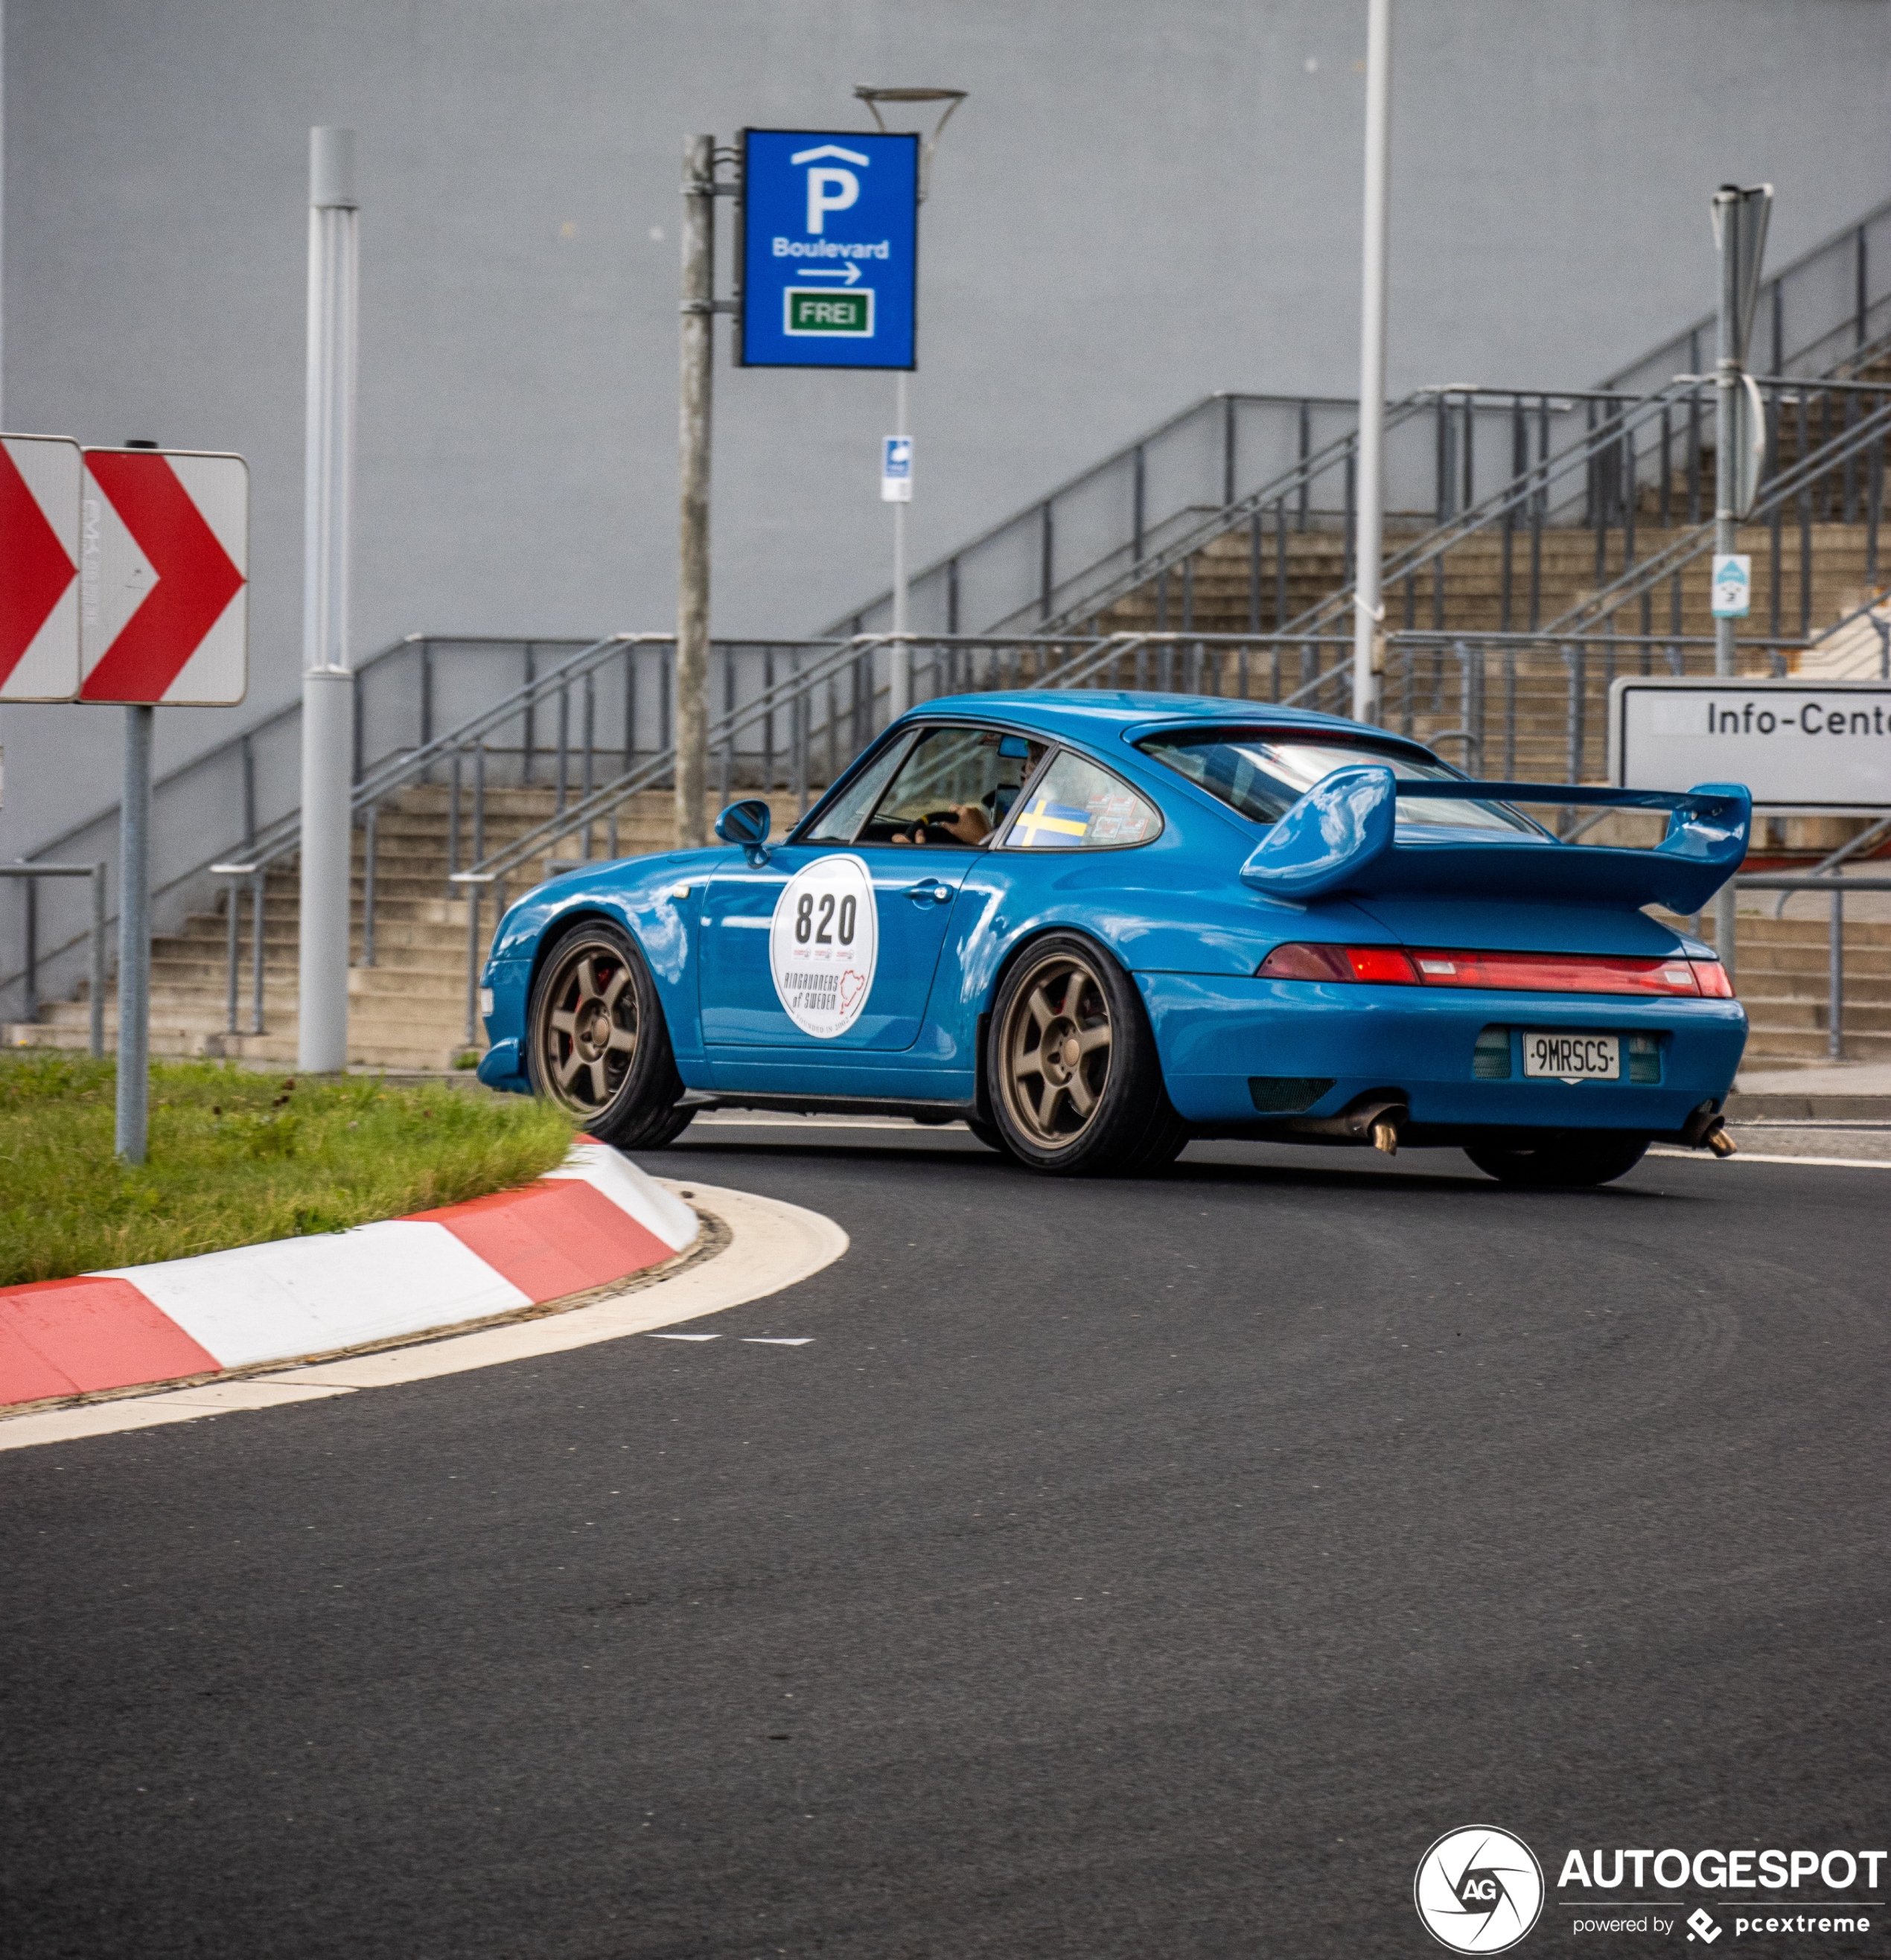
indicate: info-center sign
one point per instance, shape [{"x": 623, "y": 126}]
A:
[{"x": 830, "y": 248}]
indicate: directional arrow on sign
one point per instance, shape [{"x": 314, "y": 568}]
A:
[
  {"x": 849, "y": 275},
  {"x": 161, "y": 577},
  {"x": 39, "y": 536}
]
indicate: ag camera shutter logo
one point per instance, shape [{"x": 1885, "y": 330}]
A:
[{"x": 1479, "y": 1890}]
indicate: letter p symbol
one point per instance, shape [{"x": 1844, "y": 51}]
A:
[{"x": 830, "y": 190}]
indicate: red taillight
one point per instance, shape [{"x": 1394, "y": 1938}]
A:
[
  {"x": 1556, "y": 973},
  {"x": 1675, "y": 978},
  {"x": 1381, "y": 965},
  {"x": 1378, "y": 965}
]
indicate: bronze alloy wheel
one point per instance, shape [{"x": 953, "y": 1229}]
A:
[
  {"x": 1055, "y": 1049},
  {"x": 587, "y": 1031}
]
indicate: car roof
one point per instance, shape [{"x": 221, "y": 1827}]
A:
[{"x": 1095, "y": 714}]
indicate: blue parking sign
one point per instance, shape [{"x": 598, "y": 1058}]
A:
[{"x": 830, "y": 248}]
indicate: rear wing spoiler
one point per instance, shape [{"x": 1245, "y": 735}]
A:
[{"x": 1342, "y": 836}]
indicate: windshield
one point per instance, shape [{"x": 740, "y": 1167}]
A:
[{"x": 1262, "y": 776}]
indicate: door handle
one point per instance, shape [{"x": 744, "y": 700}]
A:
[{"x": 929, "y": 891}]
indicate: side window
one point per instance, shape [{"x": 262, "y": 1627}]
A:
[
  {"x": 955, "y": 786},
  {"x": 1077, "y": 805},
  {"x": 841, "y": 820}
]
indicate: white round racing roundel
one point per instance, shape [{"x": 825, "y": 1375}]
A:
[{"x": 824, "y": 943}]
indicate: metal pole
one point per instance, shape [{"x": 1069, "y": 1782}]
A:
[
  {"x": 899, "y": 669},
  {"x": 693, "y": 580},
  {"x": 328, "y": 687},
  {"x": 1368, "y": 615},
  {"x": 134, "y": 938},
  {"x": 1836, "y": 952},
  {"x": 97, "y": 1004},
  {"x": 1726, "y": 528}
]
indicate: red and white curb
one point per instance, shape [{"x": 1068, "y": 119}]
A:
[
  {"x": 595, "y": 1219},
  {"x": 771, "y": 1245}
]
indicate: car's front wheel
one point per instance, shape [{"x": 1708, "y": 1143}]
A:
[
  {"x": 597, "y": 1043},
  {"x": 1564, "y": 1160},
  {"x": 1075, "y": 1083}
]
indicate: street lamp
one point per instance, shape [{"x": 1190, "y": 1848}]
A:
[{"x": 899, "y": 686}]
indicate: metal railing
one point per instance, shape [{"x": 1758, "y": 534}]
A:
[
  {"x": 1279, "y": 464},
  {"x": 242, "y": 790},
  {"x": 594, "y": 731},
  {"x": 1835, "y": 888},
  {"x": 1837, "y": 480},
  {"x": 1642, "y": 466},
  {"x": 30, "y": 875}
]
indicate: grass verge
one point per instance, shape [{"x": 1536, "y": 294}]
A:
[{"x": 236, "y": 1158}]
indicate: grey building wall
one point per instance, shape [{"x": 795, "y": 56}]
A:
[{"x": 1138, "y": 205}]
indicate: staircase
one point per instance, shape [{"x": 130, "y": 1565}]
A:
[{"x": 406, "y": 1011}]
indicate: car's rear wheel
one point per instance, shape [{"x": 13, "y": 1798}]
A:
[
  {"x": 597, "y": 1043},
  {"x": 1564, "y": 1160},
  {"x": 1075, "y": 1083}
]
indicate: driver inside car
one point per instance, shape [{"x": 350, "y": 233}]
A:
[{"x": 957, "y": 787}]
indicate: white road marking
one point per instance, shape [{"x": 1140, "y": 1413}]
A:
[
  {"x": 685, "y": 1337},
  {"x": 1746, "y": 1155},
  {"x": 777, "y": 1339},
  {"x": 772, "y": 1245}
]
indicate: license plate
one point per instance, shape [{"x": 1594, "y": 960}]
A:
[{"x": 1572, "y": 1057}]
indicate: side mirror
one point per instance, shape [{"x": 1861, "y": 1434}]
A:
[
  {"x": 1014, "y": 748},
  {"x": 748, "y": 824}
]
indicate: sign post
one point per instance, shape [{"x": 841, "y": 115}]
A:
[
  {"x": 1369, "y": 612},
  {"x": 163, "y": 619},
  {"x": 896, "y": 488},
  {"x": 1740, "y": 232},
  {"x": 697, "y": 310},
  {"x": 328, "y": 683}
]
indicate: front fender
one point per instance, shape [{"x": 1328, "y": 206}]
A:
[{"x": 642, "y": 896}]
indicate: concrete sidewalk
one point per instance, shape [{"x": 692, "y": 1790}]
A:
[{"x": 1857, "y": 1092}]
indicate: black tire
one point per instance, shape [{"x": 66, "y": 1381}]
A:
[
  {"x": 1559, "y": 1158},
  {"x": 1074, "y": 1082},
  {"x": 989, "y": 1135},
  {"x": 596, "y": 1044}
]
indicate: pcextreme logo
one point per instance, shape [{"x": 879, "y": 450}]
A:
[{"x": 1479, "y": 1889}]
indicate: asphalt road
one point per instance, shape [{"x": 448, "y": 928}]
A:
[{"x": 1138, "y": 1570}]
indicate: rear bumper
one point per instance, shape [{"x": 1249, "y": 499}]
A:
[{"x": 1217, "y": 1037}]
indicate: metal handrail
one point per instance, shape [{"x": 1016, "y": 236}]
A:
[
  {"x": 1786, "y": 883},
  {"x": 241, "y": 747},
  {"x": 1031, "y": 514},
  {"x": 31, "y": 873},
  {"x": 415, "y": 764},
  {"x": 1612, "y": 440},
  {"x": 1774, "y": 493}
]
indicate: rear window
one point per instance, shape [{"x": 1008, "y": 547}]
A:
[{"x": 1263, "y": 774}]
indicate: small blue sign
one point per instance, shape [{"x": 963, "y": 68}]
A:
[{"x": 830, "y": 248}]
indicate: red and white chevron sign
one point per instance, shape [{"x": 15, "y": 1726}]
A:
[
  {"x": 38, "y": 567},
  {"x": 164, "y": 583}
]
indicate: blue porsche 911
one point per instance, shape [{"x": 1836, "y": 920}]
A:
[{"x": 1094, "y": 926}]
